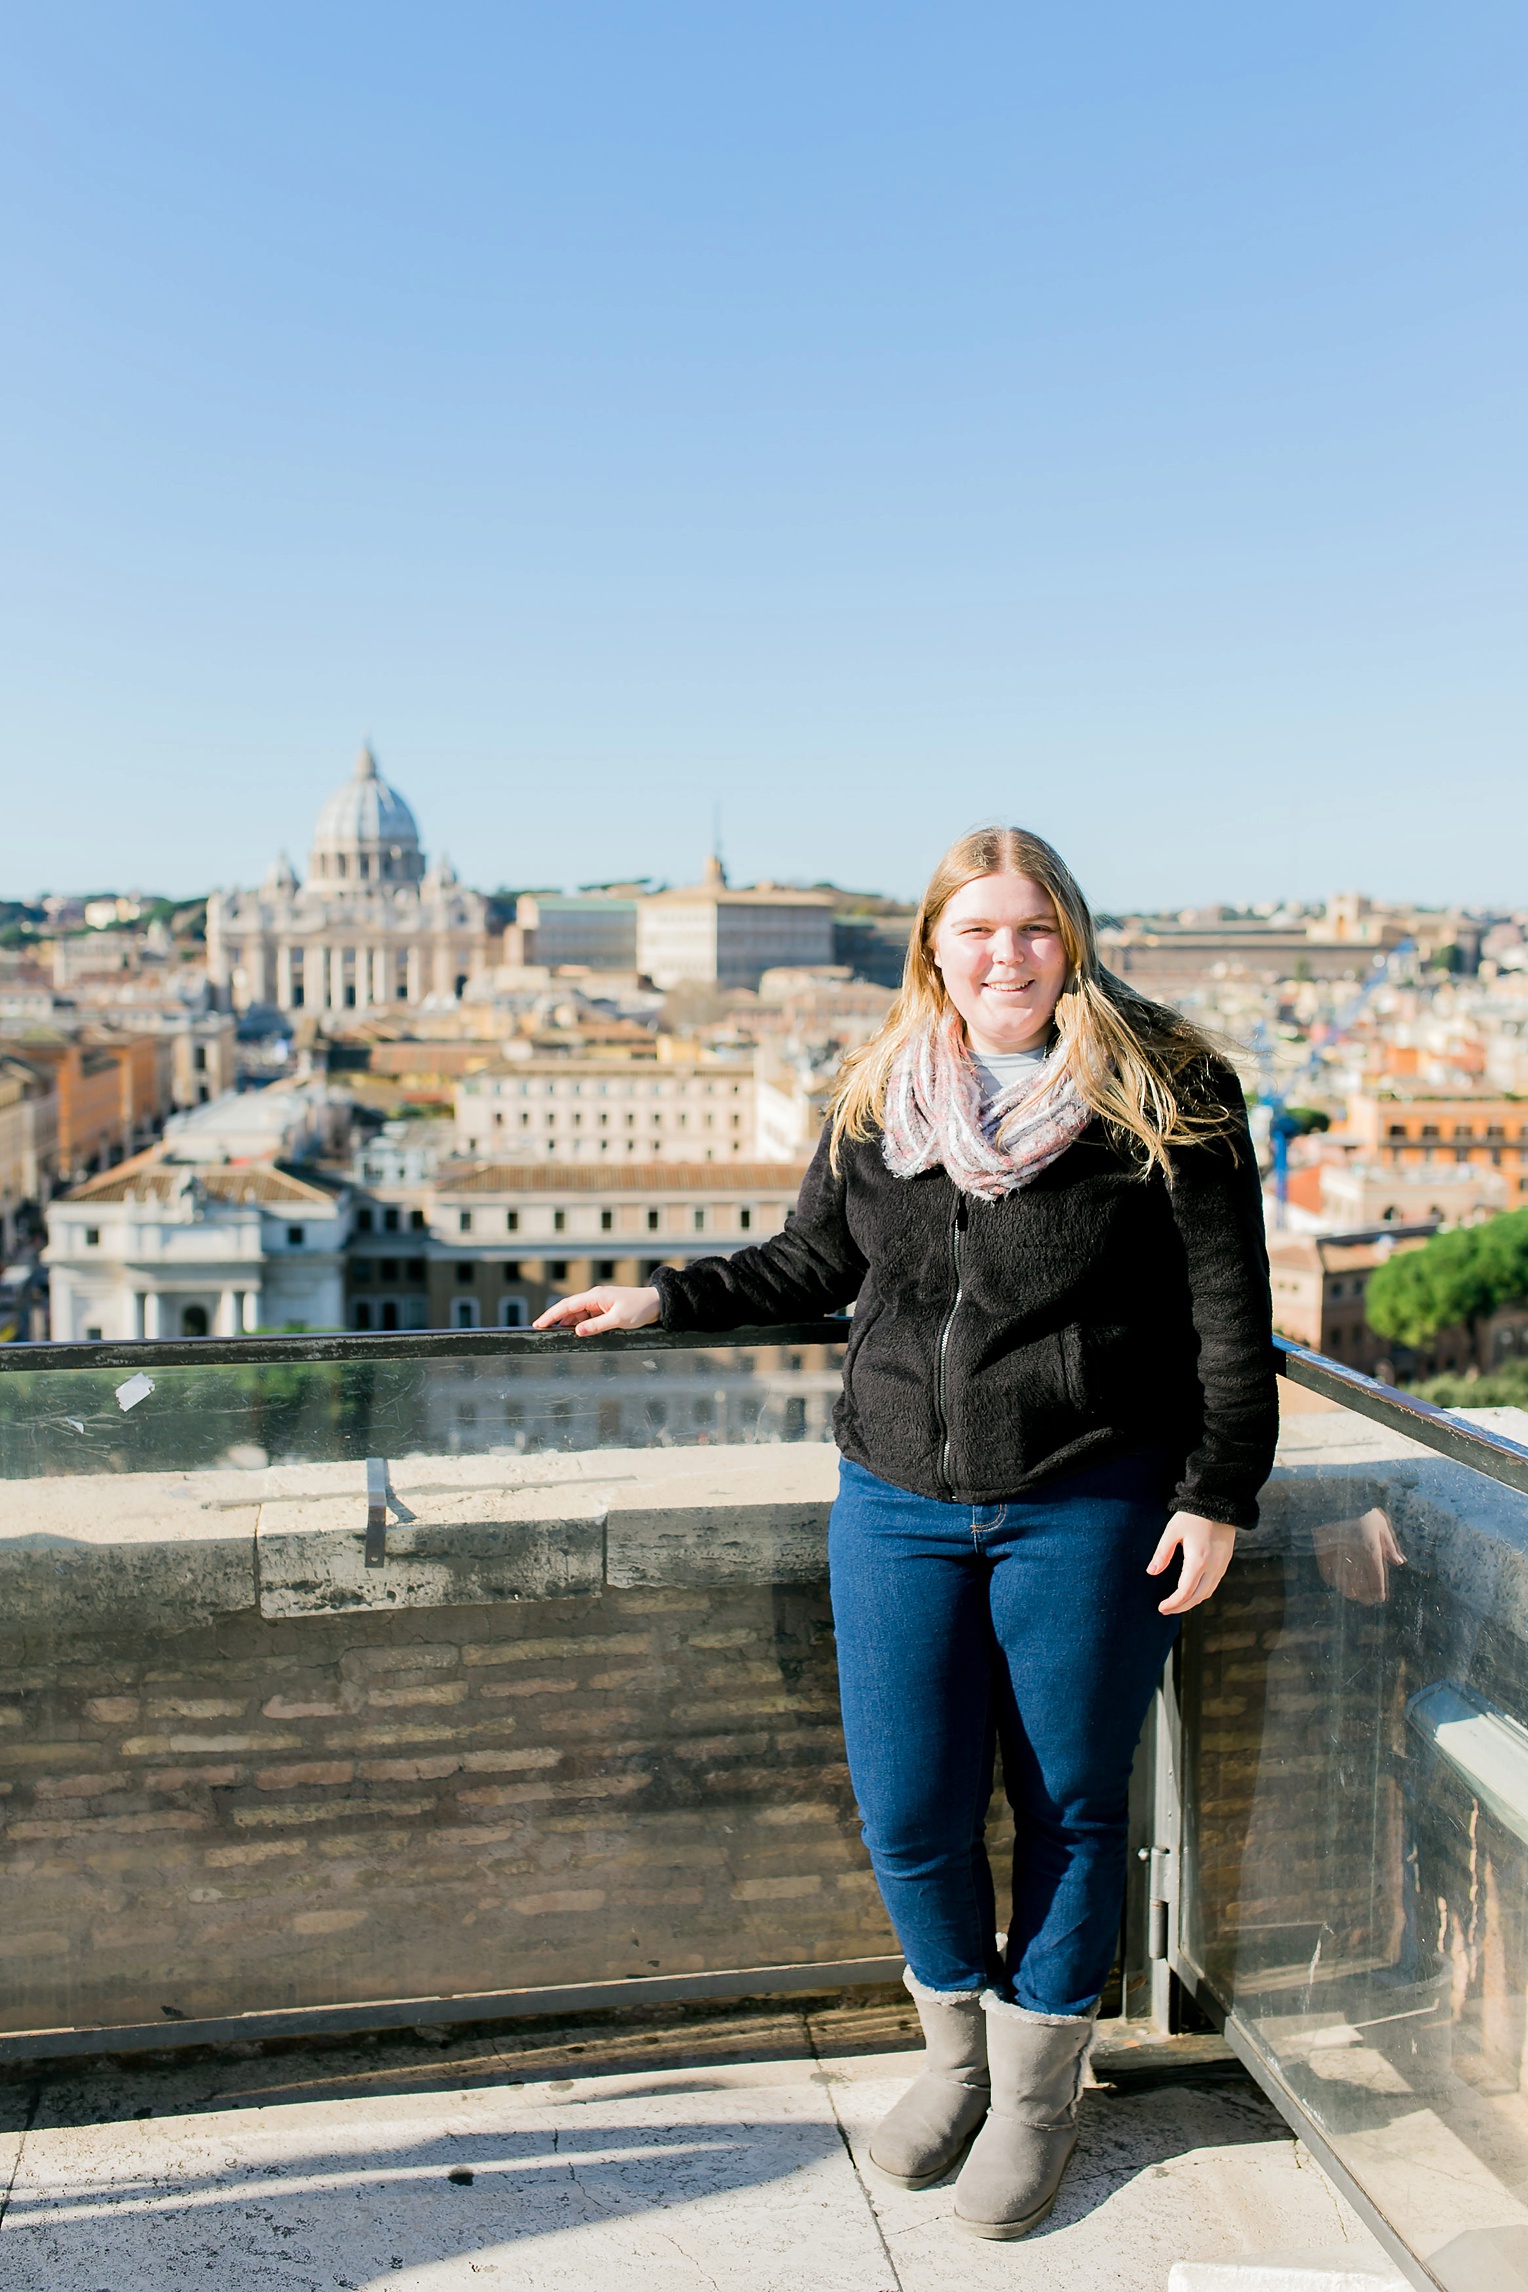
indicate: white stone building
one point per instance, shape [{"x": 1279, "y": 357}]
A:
[
  {"x": 371, "y": 929},
  {"x": 1352, "y": 1196},
  {"x": 156, "y": 1248},
  {"x": 404, "y": 1153},
  {"x": 562, "y": 1108},
  {"x": 287, "y": 1122},
  {"x": 791, "y": 1097},
  {"x": 712, "y": 936},
  {"x": 1505, "y": 1028}
]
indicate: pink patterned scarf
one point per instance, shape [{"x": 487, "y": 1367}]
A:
[{"x": 934, "y": 1116}]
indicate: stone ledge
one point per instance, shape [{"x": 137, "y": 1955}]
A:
[
  {"x": 89, "y": 1551},
  {"x": 459, "y": 1548},
  {"x": 174, "y": 1550}
]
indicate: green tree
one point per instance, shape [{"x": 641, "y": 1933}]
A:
[
  {"x": 1454, "y": 1280},
  {"x": 1504, "y": 1388}
]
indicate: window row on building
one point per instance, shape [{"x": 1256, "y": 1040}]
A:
[{"x": 656, "y": 1217}]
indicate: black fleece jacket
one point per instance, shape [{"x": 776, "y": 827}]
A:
[{"x": 996, "y": 1344}]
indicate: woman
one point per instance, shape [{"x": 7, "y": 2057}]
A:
[{"x": 1039, "y": 1191}]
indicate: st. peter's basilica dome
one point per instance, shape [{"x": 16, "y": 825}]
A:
[{"x": 365, "y": 833}]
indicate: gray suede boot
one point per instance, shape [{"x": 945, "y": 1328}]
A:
[
  {"x": 1037, "y": 2060},
  {"x": 916, "y": 2143}
]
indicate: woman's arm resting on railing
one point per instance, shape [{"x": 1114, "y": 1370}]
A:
[
  {"x": 604, "y": 1308},
  {"x": 810, "y": 1268},
  {"x": 1206, "y": 1546}
]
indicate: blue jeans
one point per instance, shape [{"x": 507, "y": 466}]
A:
[{"x": 1032, "y": 1624}]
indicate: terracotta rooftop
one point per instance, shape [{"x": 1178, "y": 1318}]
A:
[
  {"x": 149, "y": 1178},
  {"x": 1346, "y": 1253}
]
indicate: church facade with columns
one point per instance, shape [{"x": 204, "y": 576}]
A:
[
  {"x": 156, "y": 1248},
  {"x": 373, "y": 928}
]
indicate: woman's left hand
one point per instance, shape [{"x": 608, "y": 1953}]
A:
[{"x": 1206, "y": 1545}]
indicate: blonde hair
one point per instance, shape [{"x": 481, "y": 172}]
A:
[{"x": 1139, "y": 1066}]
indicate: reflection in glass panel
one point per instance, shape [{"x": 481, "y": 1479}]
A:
[
  {"x": 1356, "y": 1823},
  {"x": 72, "y": 1421},
  {"x": 417, "y": 1678}
]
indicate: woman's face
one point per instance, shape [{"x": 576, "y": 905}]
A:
[{"x": 998, "y": 945}]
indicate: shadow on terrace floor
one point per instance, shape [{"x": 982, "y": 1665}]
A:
[
  {"x": 674, "y": 2151},
  {"x": 181, "y": 2081}
]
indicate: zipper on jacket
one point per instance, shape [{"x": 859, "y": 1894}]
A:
[{"x": 957, "y": 1231}]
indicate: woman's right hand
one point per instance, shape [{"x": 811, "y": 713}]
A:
[{"x": 605, "y": 1308}]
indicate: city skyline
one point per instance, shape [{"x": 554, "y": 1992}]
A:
[
  {"x": 77, "y": 894},
  {"x": 74, "y": 904}
]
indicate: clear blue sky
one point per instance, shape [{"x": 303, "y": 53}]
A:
[{"x": 870, "y": 418}]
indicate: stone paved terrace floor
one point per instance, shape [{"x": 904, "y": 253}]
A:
[{"x": 723, "y": 2152}]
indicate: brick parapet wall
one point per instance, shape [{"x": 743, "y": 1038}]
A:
[
  {"x": 256, "y": 1815},
  {"x": 581, "y": 1726}
]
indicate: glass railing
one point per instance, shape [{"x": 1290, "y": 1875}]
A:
[
  {"x": 453, "y": 1671},
  {"x": 1354, "y": 1767},
  {"x": 244, "y": 1403}
]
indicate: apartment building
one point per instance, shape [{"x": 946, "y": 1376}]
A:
[
  {"x": 113, "y": 1091},
  {"x": 1411, "y": 1131},
  {"x": 594, "y": 930},
  {"x": 710, "y": 935},
  {"x": 487, "y": 1244},
  {"x": 791, "y": 1097},
  {"x": 289, "y": 1122},
  {"x": 566, "y": 1108},
  {"x": 202, "y": 1047},
  {"x": 1319, "y": 1287},
  {"x": 1506, "y": 1045},
  {"x": 1319, "y": 1282},
  {"x": 1351, "y": 1196},
  {"x": 28, "y": 1140}
]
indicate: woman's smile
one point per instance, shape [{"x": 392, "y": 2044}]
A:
[{"x": 1000, "y": 951}]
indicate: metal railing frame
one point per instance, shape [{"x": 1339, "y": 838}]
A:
[
  {"x": 1485, "y": 1451},
  {"x": 408, "y": 1345}
]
